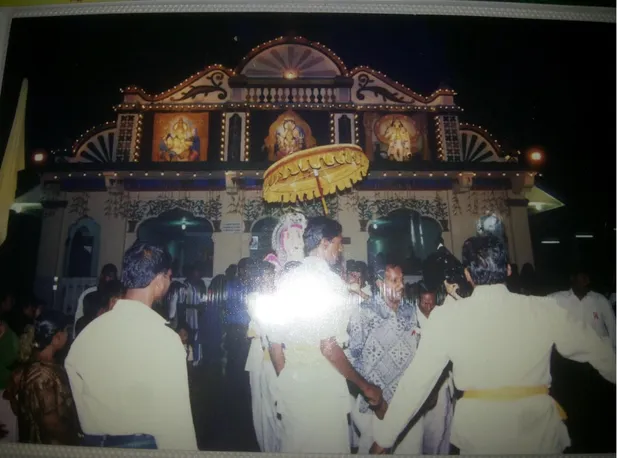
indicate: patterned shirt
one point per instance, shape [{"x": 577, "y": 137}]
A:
[
  {"x": 383, "y": 343},
  {"x": 44, "y": 398}
]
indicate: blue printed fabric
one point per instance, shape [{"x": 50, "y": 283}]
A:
[{"x": 382, "y": 343}]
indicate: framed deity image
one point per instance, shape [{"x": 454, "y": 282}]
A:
[
  {"x": 288, "y": 134},
  {"x": 180, "y": 137},
  {"x": 400, "y": 138}
]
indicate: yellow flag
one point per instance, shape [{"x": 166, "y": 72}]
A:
[{"x": 13, "y": 161}]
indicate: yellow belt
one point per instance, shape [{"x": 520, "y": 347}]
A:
[{"x": 511, "y": 394}]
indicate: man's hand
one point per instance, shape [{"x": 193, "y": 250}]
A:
[
  {"x": 381, "y": 409},
  {"x": 373, "y": 394},
  {"x": 376, "y": 449}
]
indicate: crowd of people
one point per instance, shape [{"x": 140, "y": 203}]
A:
[{"x": 316, "y": 354}]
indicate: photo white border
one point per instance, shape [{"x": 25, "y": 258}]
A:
[{"x": 409, "y": 7}]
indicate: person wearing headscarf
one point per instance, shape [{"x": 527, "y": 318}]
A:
[
  {"x": 39, "y": 390},
  {"x": 287, "y": 242}
]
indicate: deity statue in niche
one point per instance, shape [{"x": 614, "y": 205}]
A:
[
  {"x": 287, "y": 241},
  {"x": 289, "y": 138},
  {"x": 399, "y": 141},
  {"x": 399, "y": 136},
  {"x": 180, "y": 144},
  {"x": 288, "y": 134}
]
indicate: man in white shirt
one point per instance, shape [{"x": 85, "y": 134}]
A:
[
  {"x": 500, "y": 346},
  {"x": 309, "y": 314},
  {"x": 109, "y": 272},
  {"x": 127, "y": 369},
  {"x": 585, "y": 305}
]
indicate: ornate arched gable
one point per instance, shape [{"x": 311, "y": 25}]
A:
[
  {"x": 210, "y": 85},
  {"x": 373, "y": 87},
  {"x": 291, "y": 58}
]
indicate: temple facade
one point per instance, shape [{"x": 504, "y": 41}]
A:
[{"x": 185, "y": 168}]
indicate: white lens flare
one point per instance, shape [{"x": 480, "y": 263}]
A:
[{"x": 300, "y": 299}]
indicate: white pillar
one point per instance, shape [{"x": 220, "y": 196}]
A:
[{"x": 521, "y": 235}]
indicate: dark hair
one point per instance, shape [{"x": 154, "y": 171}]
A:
[
  {"x": 93, "y": 303},
  {"x": 142, "y": 263},
  {"x": 319, "y": 228},
  {"x": 46, "y": 326},
  {"x": 109, "y": 269},
  {"x": 258, "y": 275},
  {"x": 231, "y": 271},
  {"x": 244, "y": 263},
  {"x": 441, "y": 294},
  {"x": 443, "y": 265},
  {"x": 486, "y": 259},
  {"x": 112, "y": 289},
  {"x": 189, "y": 331},
  {"x": 380, "y": 275}
]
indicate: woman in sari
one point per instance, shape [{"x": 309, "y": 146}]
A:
[{"x": 39, "y": 390}]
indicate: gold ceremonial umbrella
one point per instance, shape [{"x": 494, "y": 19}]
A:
[{"x": 314, "y": 173}]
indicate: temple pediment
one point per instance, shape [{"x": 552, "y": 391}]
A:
[
  {"x": 286, "y": 95},
  {"x": 371, "y": 87},
  {"x": 292, "y": 59},
  {"x": 211, "y": 85}
]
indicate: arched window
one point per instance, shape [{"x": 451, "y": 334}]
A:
[
  {"x": 81, "y": 255},
  {"x": 261, "y": 237},
  {"x": 187, "y": 238},
  {"x": 403, "y": 237}
]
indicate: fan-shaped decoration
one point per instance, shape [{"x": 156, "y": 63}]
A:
[
  {"x": 97, "y": 146},
  {"x": 291, "y": 61},
  {"x": 477, "y": 146}
]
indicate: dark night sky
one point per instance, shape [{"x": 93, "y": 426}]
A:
[{"x": 529, "y": 83}]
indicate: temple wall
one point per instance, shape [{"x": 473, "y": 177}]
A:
[{"x": 119, "y": 217}]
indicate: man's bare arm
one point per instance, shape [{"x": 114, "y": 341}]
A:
[
  {"x": 277, "y": 356},
  {"x": 334, "y": 353}
]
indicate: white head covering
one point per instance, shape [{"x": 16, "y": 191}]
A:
[{"x": 283, "y": 256}]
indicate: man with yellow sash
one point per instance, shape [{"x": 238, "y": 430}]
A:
[
  {"x": 500, "y": 346},
  {"x": 308, "y": 315}
]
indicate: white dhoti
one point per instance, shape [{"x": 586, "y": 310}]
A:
[
  {"x": 263, "y": 379},
  {"x": 8, "y": 420},
  {"x": 410, "y": 441},
  {"x": 438, "y": 422},
  {"x": 313, "y": 408}
]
